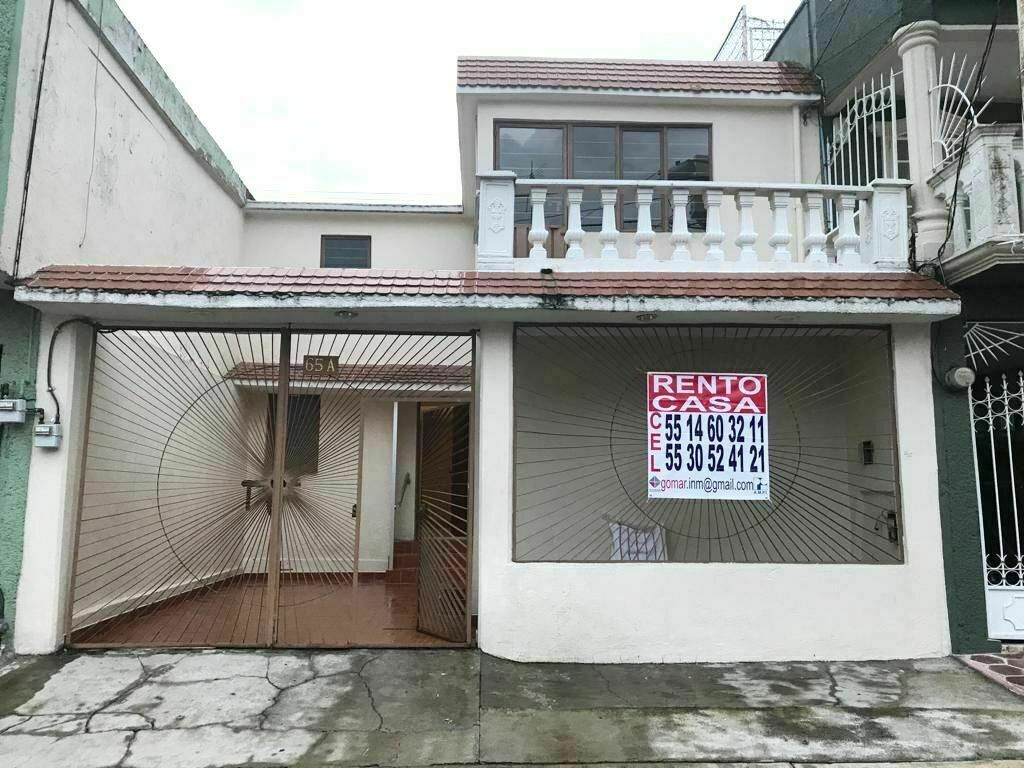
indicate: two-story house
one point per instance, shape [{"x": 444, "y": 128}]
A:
[{"x": 653, "y": 391}]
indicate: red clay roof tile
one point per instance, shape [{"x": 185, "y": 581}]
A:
[
  {"x": 607, "y": 74},
  {"x": 309, "y": 281}
]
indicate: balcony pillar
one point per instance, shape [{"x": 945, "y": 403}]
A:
[
  {"x": 885, "y": 227},
  {"x": 916, "y": 44},
  {"x": 993, "y": 187},
  {"x": 644, "y": 230},
  {"x": 538, "y": 226},
  {"x": 680, "y": 226},
  {"x": 747, "y": 237},
  {"x": 574, "y": 232},
  {"x": 609, "y": 234},
  {"x": 496, "y": 221},
  {"x": 714, "y": 235}
]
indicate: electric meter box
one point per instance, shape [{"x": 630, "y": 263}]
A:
[
  {"x": 12, "y": 411},
  {"x": 47, "y": 435}
]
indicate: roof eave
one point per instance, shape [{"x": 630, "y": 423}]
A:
[
  {"x": 746, "y": 97},
  {"x": 566, "y": 308}
]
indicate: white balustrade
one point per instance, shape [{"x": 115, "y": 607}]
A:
[
  {"x": 609, "y": 234},
  {"x": 714, "y": 235},
  {"x": 747, "y": 237},
  {"x": 681, "y": 226},
  {"x": 781, "y": 237},
  {"x": 755, "y": 232},
  {"x": 847, "y": 242},
  {"x": 644, "y": 229},
  {"x": 574, "y": 232},
  {"x": 538, "y": 234},
  {"x": 815, "y": 240}
]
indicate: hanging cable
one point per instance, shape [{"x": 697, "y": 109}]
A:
[
  {"x": 936, "y": 263},
  {"x": 49, "y": 362},
  {"x": 31, "y": 148}
]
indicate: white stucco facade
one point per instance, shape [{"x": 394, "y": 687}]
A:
[
  {"x": 654, "y": 612},
  {"x": 140, "y": 194}
]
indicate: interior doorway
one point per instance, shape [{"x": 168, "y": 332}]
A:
[{"x": 240, "y": 489}]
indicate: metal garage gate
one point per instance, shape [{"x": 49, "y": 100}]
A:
[{"x": 222, "y": 490}]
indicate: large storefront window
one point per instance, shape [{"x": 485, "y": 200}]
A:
[{"x": 803, "y": 471}]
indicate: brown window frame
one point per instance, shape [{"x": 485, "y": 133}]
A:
[
  {"x": 567, "y": 153},
  {"x": 323, "y": 248}
]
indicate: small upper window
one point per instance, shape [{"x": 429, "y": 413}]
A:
[{"x": 345, "y": 251}]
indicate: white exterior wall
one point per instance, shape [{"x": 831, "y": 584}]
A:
[
  {"x": 734, "y": 157},
  {"x": 140, "y": 196},
  {"x": 397, "y": 240},
  {"x": 654, "y": 612},
  {"x": 376, "y": 494},
  {"x": 53, "y": 484}
]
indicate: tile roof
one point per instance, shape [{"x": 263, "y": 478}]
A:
[
  {"x": 260, "y": 281},
  {"x": 598, "y": 74}
]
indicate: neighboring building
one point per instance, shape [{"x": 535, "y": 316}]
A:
[
  {"x": 749, "y": 38},
  {"x": 337, "y": 425},
  {"x": 914, "y": 65}
]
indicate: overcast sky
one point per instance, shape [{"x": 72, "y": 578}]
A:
[{"x": 343, "y": 100}]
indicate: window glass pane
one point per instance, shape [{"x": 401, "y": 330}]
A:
[
  {"x": 533, "y": 153},
  {"x": 641, "y": 160},
  {"x": 593, "y": 157},
  {"x": 346, "y": 252},
  {"x": 688, "y": 155},
  {"x": 689, "y": 159}
]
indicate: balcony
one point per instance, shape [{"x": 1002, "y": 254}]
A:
[
  {"x": 749, "y": 227},
  {"x": 987, "y": 228}
]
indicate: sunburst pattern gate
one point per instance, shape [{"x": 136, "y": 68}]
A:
[{"x": 222, "y": 496}]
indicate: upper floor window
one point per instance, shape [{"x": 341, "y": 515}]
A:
[
  {"x": 600, "y": 151},
  {"x": 345, "y": 251}
]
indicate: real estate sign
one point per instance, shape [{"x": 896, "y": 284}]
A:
[{"x": 707, "y": 436}]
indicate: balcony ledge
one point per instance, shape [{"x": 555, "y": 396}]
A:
[{"x": 983, "y": 257}]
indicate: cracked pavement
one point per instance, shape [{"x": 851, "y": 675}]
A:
[{"x": 200, "y": 709}]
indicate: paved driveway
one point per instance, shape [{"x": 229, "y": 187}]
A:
[{"x": 435, "y": 707}]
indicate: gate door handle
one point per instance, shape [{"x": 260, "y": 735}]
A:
[{"x": 355, "y": 510}]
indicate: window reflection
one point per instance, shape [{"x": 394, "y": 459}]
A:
[{"x": 639, "y": 153}]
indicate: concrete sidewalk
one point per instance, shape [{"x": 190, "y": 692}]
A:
[{"x": 197, "y": 709}]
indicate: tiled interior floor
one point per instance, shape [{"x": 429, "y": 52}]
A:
[{"x": 374, "y": 614}]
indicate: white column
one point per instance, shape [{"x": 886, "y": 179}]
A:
[
  {"x": 886, "y": 226},
  {"x": 681, "y": 226},
  {"x": 747, "y": 236},
  {"x": 916, "y": 44},
  {"x": 644, "y": 231},
  {"x": 574, "y": 232},
  {"x": 538, "y": 227},
  {"x": 814, "y": 241},
  {"x": 609, "y": 233},
  {"x": 781, "y": 237},
  {"x": 52, "y": 502},
  {"x": 496, "y": 221},
  {"x": 493, "y": 508},
  {"x": 847, "y": 241},
  {"x": 714, "y": 256}
]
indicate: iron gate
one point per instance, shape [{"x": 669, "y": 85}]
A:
[
  {"x": 997, "y": 415},
  {"x": 222, "y": 490}
]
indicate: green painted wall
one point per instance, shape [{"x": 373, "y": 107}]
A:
[
  {"x": 850, "y": 33},
  {"x": 958, "y": 498},
  {"x": 11, "y": 12},
  {"x": 19, "y": 349}
]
